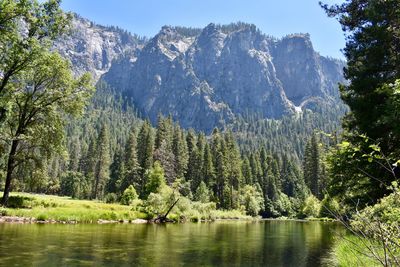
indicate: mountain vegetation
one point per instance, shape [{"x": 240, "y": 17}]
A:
[
  {"x": 252, "y": 163},
  {"x": 363, "y": 167}
]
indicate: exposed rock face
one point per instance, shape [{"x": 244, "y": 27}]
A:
[
  {"x": 92, "y": 48},
  {"x": 207, "y": 78}
]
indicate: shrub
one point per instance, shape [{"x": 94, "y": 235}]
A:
[
  {"x": 155, "y": 179},
  {"x": 3, "y": 212},
  {"x": 154, "y": 204},
  {"x": 19, "y": 202},
  {"x": 311, "y": 207},
  {"x": 110, "y": 198},
  {"x": 129, "y": 196},
  {"x": 41, "y": 217},
  {"x": 329, "y": 207},
  {"x": 252, "y": 200}
]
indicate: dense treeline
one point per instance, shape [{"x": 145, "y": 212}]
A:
[
  {"x": 289, "y": 135},
  {"x": 110, "y": 149},
  {"x": 109, "y": 153}
]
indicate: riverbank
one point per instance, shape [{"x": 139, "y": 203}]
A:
[
  {"x": 349, "y": 251},
  {"x": 36, "y": 208}
]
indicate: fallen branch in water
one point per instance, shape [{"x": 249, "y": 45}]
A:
[{"x": 163, "y": 218}]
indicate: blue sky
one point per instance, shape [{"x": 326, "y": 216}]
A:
[{"x": 273, "y": 17}]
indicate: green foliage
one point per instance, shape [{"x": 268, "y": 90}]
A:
[
  {"x": 155, "y": 180},
  {"x": 102, "y": 169},
  {"x": 37, "y": 87},
  {"x": 376, "y": 231},
  {"x": 202, "y": 193},
  {"x": 132, "y": 171},
  {"x": 311, "y": 207},
  {"x": 74, "y": 184},
  {"x": 111, "y": 198},
  {"x": 330, "y": 208},
  {"x": 19, "y": 202},
  {"x": 345, "y": 255},
  {"x": 129, "y": 196},
  {"x": 155, "y": 204},
  {"x": 385, "y": 213},
  {"x": 252, "y": 200},
  {"x": 70, "y": 210},
  {"x": 313, "y": 167},
  {"x": 372, "y": 70}
]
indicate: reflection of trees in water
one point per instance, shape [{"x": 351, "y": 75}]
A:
[{"x": 269, "y": 243}]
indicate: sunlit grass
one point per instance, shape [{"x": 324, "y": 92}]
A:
[
  {"x": 48, "y": 207},
  {"x": 349, "y": 251},
  {"x": 66, "y": 209}
]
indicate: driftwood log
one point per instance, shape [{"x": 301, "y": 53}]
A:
[{"x": 163, "y": 218}]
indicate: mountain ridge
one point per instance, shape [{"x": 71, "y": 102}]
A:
[{"x": 205, "y": 78}]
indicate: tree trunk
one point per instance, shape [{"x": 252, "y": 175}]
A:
[
  {"x": 10, "y": 170},
  {"x": 163, "y": 218}
]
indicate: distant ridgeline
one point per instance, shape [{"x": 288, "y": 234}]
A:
[{"x": 254, "y": 103}]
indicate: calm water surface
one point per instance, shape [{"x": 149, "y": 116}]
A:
[{"x": 265, "y": 243}]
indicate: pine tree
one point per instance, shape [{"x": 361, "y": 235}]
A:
[
  {"x": 164, "y": 132},
  {"x": 88, "y": 163},
  {"x": 246, "y": 171},
  {"x": 163, "y": 154},
  {"x": 102, "y": 165},
  {"x": 312, "y": 166},
  {"x": 197, "y": 162},
  {"x": 208, "y": 170},
  {"x": 372, "y": 71},
  {"x": 256, "y": 168},
  {"x": 74, "y": 155},
  {"x": 117, "y": 173},
  {"x": 132, "y": 168},
  {"x": 180, "y": 151},
  {"x": 191, "y": 141},
  {"x": 202, "y": 193},
  {"x": 145, "y": 149},
  {"x": 292, "y": 181},
  {"x": 233, "y": 166}
]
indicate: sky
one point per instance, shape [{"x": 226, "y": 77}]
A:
[{"x": 273, "y": 17}]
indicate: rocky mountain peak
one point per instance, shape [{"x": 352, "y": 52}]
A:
[
  {"x": 207, "y": 77},
  {"x": 92, "y": 48}
]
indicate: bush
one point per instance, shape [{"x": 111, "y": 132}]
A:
[
  {"x": 154, "y": 204},
  {"x": 284, "y": 206},
  {"x": 329, "y": 207},
  {"x": 155, "y": 179},
  {"x": 111, "y": 198},
  {"x": 377, "y": 229},
  {"x": 42, "y": 217},
  {"x": 19, "y": 202},
  {"x": 3, "y": 212},
  {"x": 129, "y": 196},
  {"x": 251, "y": 199},
  {"x": 311, "y": 207}
]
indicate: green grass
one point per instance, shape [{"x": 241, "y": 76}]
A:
[
  {"x": 48, "y": 207},
  {"x": 66, "y": 209},
  {"x": 349, "y": 251}
]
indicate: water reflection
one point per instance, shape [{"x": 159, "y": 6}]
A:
[{"x": 266, "y": 243}]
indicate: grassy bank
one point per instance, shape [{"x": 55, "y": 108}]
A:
[
  {"x": 351, "y": 251},
  {"x": 47, "y": 207},
  {"x": 66, "y": 209}
]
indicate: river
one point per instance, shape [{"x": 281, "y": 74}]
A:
[{"x": 225, "y": 243}]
